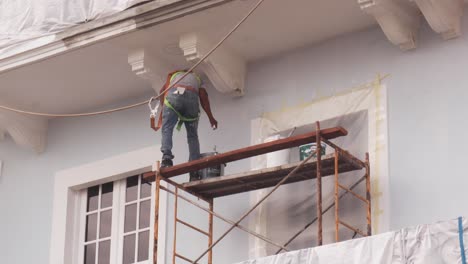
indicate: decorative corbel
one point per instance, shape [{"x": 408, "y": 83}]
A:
[
  {"x": 146, "y": 66},
  {"x": 444, "y": 16},
  {"x": 399, "y": 20},
  {"x": 225, "y": 70},
  {"x": 27, "y": 131}
]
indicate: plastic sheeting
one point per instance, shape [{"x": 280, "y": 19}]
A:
[
  {"x": 28, "y": 24},
  {"x": 361, "y": 112},
  {"x": 425, "y": 244}
]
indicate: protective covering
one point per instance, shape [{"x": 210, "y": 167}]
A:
[
  {"x": 28, "y": 24},
  {"x": 361, "y": 111},
  {"x": 439, "y": 243}
]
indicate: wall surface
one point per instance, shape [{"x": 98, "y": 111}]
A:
[{"x": 427, "y": 91}]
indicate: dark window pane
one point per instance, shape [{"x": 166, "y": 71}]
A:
[
  {"x": 90, "y": 254},
  {"x": 143, "y": 245},
  {"x": 132, "y": 189},
  {"x": 145, "y": 210},
  {"x": 145, "y": 188},
  {"x": 130, "y": 217},
  {"x": 93, "y": 198},
  {"x": 106, "y": 224},
  {"x": 129, "y": 249},
  {"x": 91, "y": 227},
  {"x": 104, "y": 252},
  {"x": 106, "y": 196}
]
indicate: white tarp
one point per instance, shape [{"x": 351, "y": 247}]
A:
[
  {"x": 425, "y": 244},
  {"x": 26, "y": 24},
  {"x": 292, "y": 207}
]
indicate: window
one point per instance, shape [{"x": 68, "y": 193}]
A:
[
  {"x": 70, "y": 205},
  {"x": 136, "y": 231},
  {"x": 116, "y": 219},
  {"x": 98, "y": 228}
]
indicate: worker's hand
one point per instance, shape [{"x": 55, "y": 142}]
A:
[{"x": 214, "y": 123}]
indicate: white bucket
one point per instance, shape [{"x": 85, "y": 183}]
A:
[{"x": 277, "y": 158}]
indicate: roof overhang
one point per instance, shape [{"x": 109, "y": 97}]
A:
[{"x": 136, "y": 18}]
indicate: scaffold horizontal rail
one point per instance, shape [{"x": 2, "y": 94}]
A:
[
  {"x": 353, "y": 193},
  {"x": 352, "y": 228},
  {"x": 243, "y": 153},
  {"x": 193, "y": 227},
  {"x": 184, "y": 258}
]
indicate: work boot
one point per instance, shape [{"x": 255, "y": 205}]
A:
[
  {"x": 166, "y": 163},
  {"x": 194, "y": 176}
]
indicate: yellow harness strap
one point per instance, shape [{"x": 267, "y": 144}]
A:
[
  {"x": 194, "y": 74},
  {"x": 182, "y": 118}
]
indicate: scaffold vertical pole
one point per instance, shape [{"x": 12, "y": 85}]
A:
[
  {"x": 210, "y": 231},
  {"x": 319, "y": 183},
  {"x": 368, "y": 196},
  {"x": 156, "y": 212},
  {"x": 337, "y": 199},
  {"x": 176, "y": 199}
]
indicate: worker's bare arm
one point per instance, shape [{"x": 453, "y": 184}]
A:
[{"x": 205, "y": 103}]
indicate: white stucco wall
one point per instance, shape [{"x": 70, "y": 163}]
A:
[{"x": 426, "y": 92}]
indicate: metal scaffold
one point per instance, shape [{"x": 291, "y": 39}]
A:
[{"x": 313, "y": 167}]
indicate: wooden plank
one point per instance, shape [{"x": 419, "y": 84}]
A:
[
  {"x": 247, "y": 152},
  {"x": 266, "y": 172},
  {"x": 235, "y": 189},
  {"x": 263, "y": 178}
]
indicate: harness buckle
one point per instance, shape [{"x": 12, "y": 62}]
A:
[{"x": 154, "y": 110}]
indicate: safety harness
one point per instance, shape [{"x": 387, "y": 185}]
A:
[
  {"x": 182, "y": 118},
  {"x": 174, "y": 74}
]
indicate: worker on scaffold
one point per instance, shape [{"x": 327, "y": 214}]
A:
[{"x": 181, "y": 106}]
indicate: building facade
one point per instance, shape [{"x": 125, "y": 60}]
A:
[{"x": 60, "y": 176}]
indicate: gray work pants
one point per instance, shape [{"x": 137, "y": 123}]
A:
[{"x": 187, "y": 104}]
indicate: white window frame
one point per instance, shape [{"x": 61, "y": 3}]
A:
[
  {"x": 121, "y": 233},
  {"x": 68, "y": 187},
  {"x": 83, "y": 195}
]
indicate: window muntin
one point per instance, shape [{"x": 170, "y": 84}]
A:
[
  {"x": 137, "y": 220},
  {"x": 117, "y": 222},
  {"x": 97, "y": 244}
]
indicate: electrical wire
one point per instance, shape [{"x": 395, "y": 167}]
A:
[
  {"x": 154, "y": 97},
  {"x": 72, "y": 115}
]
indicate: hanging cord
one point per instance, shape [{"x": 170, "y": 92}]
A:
[
  {"x": 73, "y": 115},
  {"x": 152, "y": 98}
]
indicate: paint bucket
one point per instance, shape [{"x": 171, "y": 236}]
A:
[
  {"x": 211, "y": 172},
  {"x": 277, "y": 158},
  {"x": 307, "y": 149}
]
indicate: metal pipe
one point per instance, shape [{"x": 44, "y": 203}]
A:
[
  {"x": 319, "y": 184},
  {"x": 156, "y": 213},
  {"x": 353, "y": 193},
  {"x": 175, "y": 226},
  {"x": 337, "y": 217},
  {"x": 210, "y": 228},
  {"x": 184, "y": 258},
  {"x": 226, "y": 220},
  {"x": 324, "y": 212},
  {"x": 352, "y": 228},
  {"x": 368, "y": 196},
  {"x": 193, "y": 227},
  {"x": 256, "y": 205}
]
